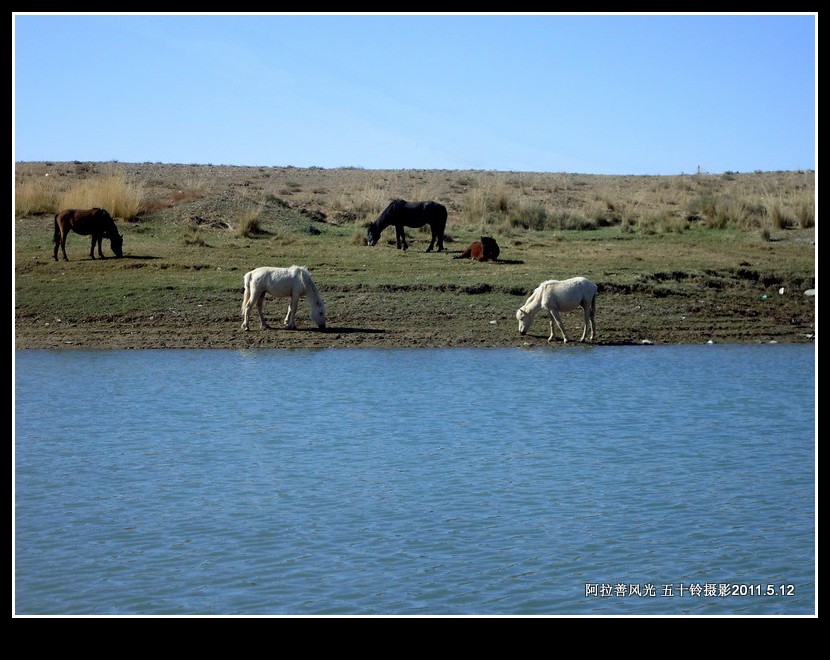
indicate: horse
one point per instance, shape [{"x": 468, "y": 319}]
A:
[
  {"x": 401, "y": 213},
  {"x": 291, "y": 282},
  {"x": 560, "y": 296},
  {"x": 95, "y": 222},
  {"x": 484, "y": 250}
]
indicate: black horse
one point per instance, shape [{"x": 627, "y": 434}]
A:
[
  {"x": 97, "y": 223},
  {"x": 410, "y": 214}
]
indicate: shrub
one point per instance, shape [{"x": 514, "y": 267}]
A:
[
  {"x": 778, "y": 217},
  {"x": 248, "y": 222},
  {"x": 474, "y": 208},
  {"x": 805, "y": 213},
  {"x": 34, "y": 197},
  {"x": 195, "y": 238},
  {"x": 703, "y": 206},
  {"x": 529, "y": 216},
  {"x": 111, "y": 192}
]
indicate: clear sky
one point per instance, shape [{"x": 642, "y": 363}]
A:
[{"x": 598, "y": 94}]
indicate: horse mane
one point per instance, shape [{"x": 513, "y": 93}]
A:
[
  {"x": 534, "y": 302},
  {"x": 383, "y": 220},
  {"x": 311, "y": 290}
]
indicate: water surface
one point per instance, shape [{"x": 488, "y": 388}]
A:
[{"x": 574, "y": 480}]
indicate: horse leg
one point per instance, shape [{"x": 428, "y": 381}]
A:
[
  {"x": 60, "y": 242},
  {"x": 92, "y": 247},
  {"x": 260, "y": 298},
  {"x": 100, "y": 251},
  {"x": 554, "y": 316},
  {"x": 437, "y": 235},
  {"x": 587, "y": 321},
  {"x": 593, "y": 316},
  {"x": 402, "y": 244},
  {"x": 290, "y": 323}
]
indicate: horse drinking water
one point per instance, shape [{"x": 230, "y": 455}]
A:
[
  {"x": 403, "y": 214},
  {"x": 291, "y": 282},
  {"x": 95, "y": 222},
  {"x": 560, "y": 296}
]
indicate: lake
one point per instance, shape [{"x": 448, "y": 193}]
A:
[{"x": 584, "y": 480}]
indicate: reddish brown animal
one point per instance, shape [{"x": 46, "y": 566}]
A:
[
  {"x": 96, "y": 223},
  {"x": 484, "y": 250}
]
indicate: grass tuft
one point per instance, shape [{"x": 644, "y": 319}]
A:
[{"x": 111, "y": 192}]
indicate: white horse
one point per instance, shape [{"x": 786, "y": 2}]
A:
[
  {"x": 291, "y": 282},
  {"x": 560, "y": 296}
]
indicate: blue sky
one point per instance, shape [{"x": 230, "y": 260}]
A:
[{"x": 599, "y": 94}]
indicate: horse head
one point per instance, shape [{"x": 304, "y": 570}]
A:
[
  {"x": 116, "y": 243},
  {"x": 318, "y": 314},
  {"x": 524, "y": 319},
  {"x": 372, "y": 235}
]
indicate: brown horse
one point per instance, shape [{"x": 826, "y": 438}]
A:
[
  {"x": 97, "y": 223},
  {"x": 484, "y": 250}
]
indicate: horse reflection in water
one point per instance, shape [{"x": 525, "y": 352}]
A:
[{"x": 292, "y": 282}]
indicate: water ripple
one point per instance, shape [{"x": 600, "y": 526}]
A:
[{"x": 416, "y": 483}]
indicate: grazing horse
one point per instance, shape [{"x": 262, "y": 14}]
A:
[
  {"x": 97, "y": 223},
  {"x": 291, "y": 282},
  {"x": 410, "y": 214},
  {"x": 484, "y": 250},
  {"x": 560, "y": 296}
]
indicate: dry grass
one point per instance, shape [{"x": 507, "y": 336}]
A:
[
  {"x": 248, "y": 221},
  {"x": 111, "y": 190},
  {"x": 36, "y": 197},
  {"x": 478, "y": 201}
]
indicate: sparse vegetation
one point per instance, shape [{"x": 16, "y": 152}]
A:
[
  {"x": 725, "y": 239},
  {"x": 247, "y": 222}
]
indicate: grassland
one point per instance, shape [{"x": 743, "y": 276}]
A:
[{"x": 678, "y": 259}]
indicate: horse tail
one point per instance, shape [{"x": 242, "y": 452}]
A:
[
  {"x": 442, "y": 215},
  {"x": 247, "y": 296},
  {"x": 57, "y": 237}
]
